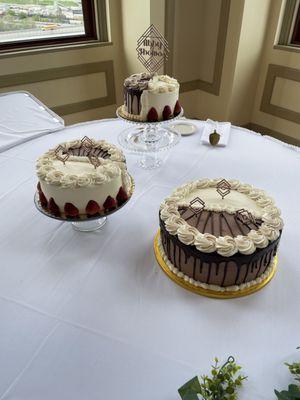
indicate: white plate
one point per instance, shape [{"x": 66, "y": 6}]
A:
[{"x": 184, "y": 128}]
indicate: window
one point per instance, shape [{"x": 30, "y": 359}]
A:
[
  {"x": 35, "y": 23},
  {"x": 290, "y": 27},
  {"x": 295, "y": 37}
]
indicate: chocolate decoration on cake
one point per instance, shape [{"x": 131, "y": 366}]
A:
[
  {"x": 199, "y": 205},
  {"x": 223, "y": 188},
  {"x": 217, "y": 223},
  {"x": 61, "y": 153},
  {"x": 245, "y": 217},
  {"x": 87, "y": 142},
  {"x": 94, "y": 161}
]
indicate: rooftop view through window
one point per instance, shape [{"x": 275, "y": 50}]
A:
[{"x": 23, "y": 20}]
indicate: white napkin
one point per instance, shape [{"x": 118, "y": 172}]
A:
[
  {"x": 222, "y": 128},
  {"x": 23, "y": 118}
]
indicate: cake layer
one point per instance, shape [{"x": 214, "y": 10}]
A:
[{"x": 212, "y": 268}]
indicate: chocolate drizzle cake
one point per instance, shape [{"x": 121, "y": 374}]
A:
[
  {"x": 220, "y": 243},
  {"x": 151, "y": 98}
]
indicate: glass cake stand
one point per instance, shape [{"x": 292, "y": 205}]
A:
[
  {"x": 80, "y": 224},
  {"x": 148, "y": 139}
]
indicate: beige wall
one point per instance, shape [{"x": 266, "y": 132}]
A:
[
  {"x": 135, "y": 20},
  {"x": 79, "y": 88},
  {"x": 248, "y": 60},
  {"x": 252, "y": 26},
  {"x": 288, "y": 100}
]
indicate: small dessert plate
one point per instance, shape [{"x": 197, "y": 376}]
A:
[{"x": 184, "y": 128}]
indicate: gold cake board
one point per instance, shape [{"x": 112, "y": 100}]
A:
[{"x": 208, "y": 292}]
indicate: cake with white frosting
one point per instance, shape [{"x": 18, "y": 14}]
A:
[
  {"x": 219, "y": 235},
  {"x": 151, "y": 98},
  {"x": 83, "y": 178}
]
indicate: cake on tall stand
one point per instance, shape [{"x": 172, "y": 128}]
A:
[{"x": 150, "y": 104}]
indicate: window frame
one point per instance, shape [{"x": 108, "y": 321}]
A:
[
  {"x": 295, "y": 34},
  {"x": 290, "y": 18},
  {"x": 95, "y": 25}
]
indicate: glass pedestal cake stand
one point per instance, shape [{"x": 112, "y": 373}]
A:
[
  {"x": 79, "y": 224},
  {"x": 148, "y": 139}
]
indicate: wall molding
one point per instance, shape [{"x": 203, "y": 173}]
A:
[
  {"x": 279, "y": 71},
  {"x": 277, "y": 135},
  {"x": 210, "y": 87},
  {"x": 44, "y": 75}
]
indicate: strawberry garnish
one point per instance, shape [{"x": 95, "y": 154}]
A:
[
  {"x": 71, "y": 210},
  {"x": 92, "y": 208},
  {"x": 167, "y": 113},
  {"x": 53, "y": 208},
  {"x": 39, "y": 187},
  {"x": 177, "y": 109},
  {"x": 110, "y": 203},
  {"x": 152, "y": 115},
  {"x": 43, "y": 200},
  {"x": 121, "y": 196}
]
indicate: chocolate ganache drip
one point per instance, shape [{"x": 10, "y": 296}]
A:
[
  {"x": 133, "y": 89},
  {"x": 83, "y": 151},
  {"x": 218, "y": 223}
]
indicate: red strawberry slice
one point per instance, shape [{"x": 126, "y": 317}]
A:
[
  {"x": 152, "y": 115},
  {"x": 53, "y": 208},
  {"x": 167, "y": 113},
  {"x": 39, "y": 187},
  {"x": 177, "y": 109},
  {"x": 71, "y": 210},
  {"x": 92, "y": 208},
  {"x": 110, "y": 203},
  {"x": 43, "y": 200},
  {"x": 121, "y": 196}
]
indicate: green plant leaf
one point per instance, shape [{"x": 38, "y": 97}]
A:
[
  {"x": 293, "y": 393},
  {"x": 190, "y": 387},
  {"x": 294, "y": 390}
]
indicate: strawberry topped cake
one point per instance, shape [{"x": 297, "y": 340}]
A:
[
  {"x": 83, "y": 179},
  {"x": 151, "y": 98}
]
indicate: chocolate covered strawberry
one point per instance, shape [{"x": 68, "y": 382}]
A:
[
  {"x": 152, "y": 115},
  {"x": 71, "y": 210},
  {"x": 43, "y": 200},
  {"x": 110, "y": 203},
  {"x": 92, "y": 208},
  {"x": 167, "y": 113},
  {"x": 121, "y": 197},
  {"x": 53, "y": 208},
  {"x": 177, "y": 109}
]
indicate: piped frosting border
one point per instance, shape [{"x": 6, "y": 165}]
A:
[
  {"x": 224, "y": 245},
  {"x": 109, "y": 169}
]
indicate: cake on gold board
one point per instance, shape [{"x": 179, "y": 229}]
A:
[
  {"x": 83, "y": 179},
  {"x": 150, "y": 98},
  {"x": 219, "y": 238}
]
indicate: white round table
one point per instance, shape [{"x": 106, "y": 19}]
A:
[{"x": 92, "y": 316}]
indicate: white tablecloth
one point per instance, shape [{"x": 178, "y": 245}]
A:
[{"x": 92, "y": 316}]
